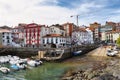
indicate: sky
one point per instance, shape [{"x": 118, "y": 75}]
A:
[{"x": 48, "y": 12}]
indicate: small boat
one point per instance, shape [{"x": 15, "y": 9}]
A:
[
  {"x": 38, "y": 62},
  {"x": 14, "y": 67},
  {"x": 77, "y": 53},
  {"x": 34, "y": 63},
  {"x": 4, "y": 70},
  {"x": 21, "y": 65}
]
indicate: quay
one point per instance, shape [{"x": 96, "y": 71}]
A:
[{"x": 28, "y": 52}]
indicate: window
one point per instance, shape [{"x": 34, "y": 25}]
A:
[
  {"x": 8, "y": 41},
  {"x": 52, "y": 40},
  {"x": 43, "y": 41},
  {"x": 3, "y": 33},
  {"x": 47, "y": 40},
  {"x": 7, "y": 37},
  {"x": 56, "y": 40},
  {"x": 3, "y": 41}
]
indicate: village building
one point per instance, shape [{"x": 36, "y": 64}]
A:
[
  {"x": 32, "y": 35},
  {"x": 55, "y": 40},
  {"x": 68, "y": 27},
  {"x": 6, "y": 39},
  {"x": 55, "y": 37},
  {"x": 112, "y": 36},
  {"x": 18, "y": 34},
  {"x": 95, "y": 27},
  {"x": 82, "y": 36}
]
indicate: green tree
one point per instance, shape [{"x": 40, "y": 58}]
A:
[{"x": 118, "y": 42}]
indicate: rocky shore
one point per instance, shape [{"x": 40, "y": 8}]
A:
[{"x": 104, "y": 69}]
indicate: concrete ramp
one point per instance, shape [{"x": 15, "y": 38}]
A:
[{"x": 101, "y": 51}]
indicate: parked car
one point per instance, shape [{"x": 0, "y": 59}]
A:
[{"x": 111, "y": 53}]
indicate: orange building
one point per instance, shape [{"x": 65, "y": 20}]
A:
[
  {"x": 68, "y": 27},
  {"x": 95, "y": 27}
]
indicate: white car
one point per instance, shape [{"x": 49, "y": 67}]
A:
[{"x": 111, "y": 52}]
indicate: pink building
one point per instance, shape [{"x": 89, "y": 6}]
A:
[{"x": 32, "y": 35}]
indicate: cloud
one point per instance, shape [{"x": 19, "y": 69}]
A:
[{"x": 50, "y": 12}]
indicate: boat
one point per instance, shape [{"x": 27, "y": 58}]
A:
[
  {"x": 21, "y": 65},
  {"x": 54, "y": 54},
  {"x": 14, "y": 67},
  {"x": 38, "y": 62},
  {"x": 32, "y": 63},
  {"x": 4, "y": 70},
  {"x": 77, "y": 53}
]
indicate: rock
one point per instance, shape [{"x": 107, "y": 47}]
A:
[
  {"x": 95, "y": 73},
  {"x": 108, "y": 77},
  {"x": 116, "y": 74},
  {"x": 79, "y": 75},
  {"x": 90, "y": 76},
  {"x": 96, "y": 78},
  {"x": 87, "y": 72}
]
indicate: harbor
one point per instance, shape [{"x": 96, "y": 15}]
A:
[{"x": 63, "y": 70}]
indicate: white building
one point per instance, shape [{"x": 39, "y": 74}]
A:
[
  {"x": 82, "y": 36},
  {"x": 89, "y": 36},
  {"x": 103, "y": 36},
  {"x": 45, "y": 30},
  {"x": 18, "y": 35},
  {"x": 112, "y": 36},
  {"x": 6, "y": 38},
  {"x": 56, "y": 39},
  {"x": 54, "y": 34},
  {"x": 57, "y": 29}
]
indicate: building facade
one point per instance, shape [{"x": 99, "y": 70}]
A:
[
  {"x": 54, "y": 39},
  {"x": 118, "y": 26},
  {"x": 6, "y": 38},
  {"x": 57, "y": 29},
  {"x": 95, "y": 27},
  {"x": 32, "y": 35},
  {"x": 68, "y": 27},
  {"x": 82, "y": 36},
  {"x": 112, "y": 36},
  {"x": 18, "y": 35}
]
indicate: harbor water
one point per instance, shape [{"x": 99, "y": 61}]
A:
[
  {"x": 51, "y": 70},
  {"x": 47, "y": 71}
]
